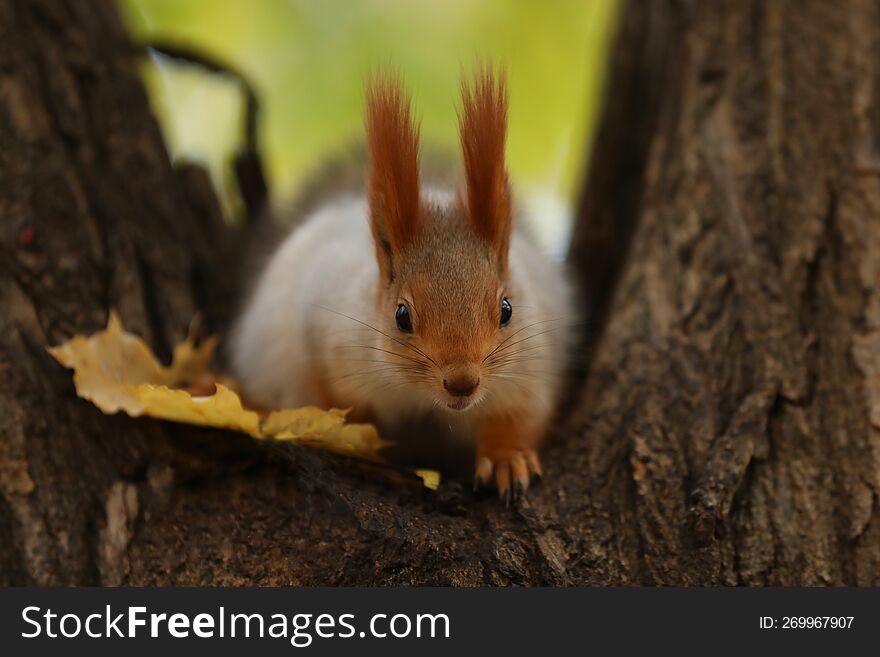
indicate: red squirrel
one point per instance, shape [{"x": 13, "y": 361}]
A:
[{"x": 405, "y": 301}]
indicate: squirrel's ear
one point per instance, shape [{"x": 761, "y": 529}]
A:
[
  {"x": 483, "y": 131},
  {"x": 393, "y": 141}
]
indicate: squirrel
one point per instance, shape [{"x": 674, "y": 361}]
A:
[{"x": 402, "y": 301}]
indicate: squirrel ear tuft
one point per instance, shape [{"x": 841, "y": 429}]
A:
[
  {"x": 483, "y": 132},
  {"x": 393, "y": 141}
]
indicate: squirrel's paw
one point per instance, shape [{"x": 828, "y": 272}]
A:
[{"x": 512, "y": 468}]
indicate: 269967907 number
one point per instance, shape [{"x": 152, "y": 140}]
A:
[
  {"x": 816, "y": 622},
  {"x": 807, "y": 622}
]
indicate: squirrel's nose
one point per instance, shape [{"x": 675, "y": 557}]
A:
[{"x": 462, "y": 385}]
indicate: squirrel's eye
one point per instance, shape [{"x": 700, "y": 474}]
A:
[
  {"x": 506, "y": 311},
  {"x": 404, "y": 323}
]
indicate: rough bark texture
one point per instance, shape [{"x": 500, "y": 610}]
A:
[
  {"x": 91, "y": 217},
  {"x": 732, "y": 409},
  {"x": 727, "y": 432}
]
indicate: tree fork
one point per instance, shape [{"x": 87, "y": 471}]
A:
[{"x": 726, "y": 434}]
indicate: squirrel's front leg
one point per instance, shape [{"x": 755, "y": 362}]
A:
[{"x": 507, "y": 447}]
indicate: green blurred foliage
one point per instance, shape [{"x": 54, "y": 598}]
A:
[{"x": 308, "y": 60}]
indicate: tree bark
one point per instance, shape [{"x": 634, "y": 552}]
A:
[
  {"x": 91, "y": 217},
  {"x": 732, "y": 406},
  {"x": 727, "y": 432}
]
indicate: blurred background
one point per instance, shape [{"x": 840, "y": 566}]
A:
[{"x": 308, "y": 59}]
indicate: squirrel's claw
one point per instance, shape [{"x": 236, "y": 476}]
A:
[
  {"x": 517, "y": 490},
  {"x": 483, "y": 473},
  {"x": 533, "y": 464},
  {"x": 502, "y": 480},
  {"x": 512, "y": 472}
]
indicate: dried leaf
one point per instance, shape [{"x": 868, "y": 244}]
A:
[
  {"x": 117, "y": 371},
  {"x": 323, "y": 429},
  {"x": 222, "y": 409},
  {"x": 430, "y": 478},
  {"x": 111, "y": 364}
]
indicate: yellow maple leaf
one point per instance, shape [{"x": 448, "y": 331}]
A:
[
  {"x": 117, "y": 371},
  {"x": 222, "y": 409}
]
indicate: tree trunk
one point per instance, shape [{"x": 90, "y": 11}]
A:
[
  {"x": 732, "y": 409},
  {"x": 727, "y": 432},
  {"x": 91, "y": 217}
]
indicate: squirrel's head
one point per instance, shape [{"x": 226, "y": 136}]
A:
[{"x": 444, "y": 307}]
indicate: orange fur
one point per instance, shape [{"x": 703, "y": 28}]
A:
[
  {"x": 393, "y": 140},
  {"x": 455, "y": 327},
  {"x": 483, "y": 132}
]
